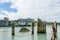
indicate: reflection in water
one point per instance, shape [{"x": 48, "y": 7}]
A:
[
  {"x": 41, "y": 36},
  {"x": 32, "y": 36},
  {"x": 12, "y": 38},
  {"x": 48, "y": 32},
  {"x": 35, "y": 33},
  {"x": 58, "y": 32},
  {"x": 35, "y": 37},
  {"x": 4, "y": 34}
]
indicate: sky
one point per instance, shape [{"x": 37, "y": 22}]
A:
[{"x": 47, "y": 10}]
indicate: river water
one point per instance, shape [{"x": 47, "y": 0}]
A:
[{"x": 5, "y": 34}]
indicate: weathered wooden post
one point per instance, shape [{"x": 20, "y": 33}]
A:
[
  {"x": 52, "y": 33},
  {"x": 13, "y": 28},
  {"x": 32, "y": 27},
  {"x": 55, "y": 26},
  {"x": 38, "y": 24},
  {"x": 44, "y": 28}
]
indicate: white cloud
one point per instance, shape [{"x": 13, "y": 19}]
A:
[
  {"x": 44, "y": 9},
  {"x": 11, "y": 15},
  {"x": 2, "y": 16},
  {"x": 2, "y": 1}
]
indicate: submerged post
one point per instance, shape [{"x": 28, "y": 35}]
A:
[
  {"x": 32, "y": 27},
  {"x": 13, "y": 28}
]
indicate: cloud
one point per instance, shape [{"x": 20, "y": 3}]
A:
[
  {"x": 2, "y": 16},
  {"x": 7, "y": 9},
  {"x": 45, "y": 9},
  {"x": 6, "y": 6},
  {"x": 11, "y": 15}
]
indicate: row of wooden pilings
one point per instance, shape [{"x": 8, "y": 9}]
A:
[
  {"x": 40, "y": 29},
  {"x": 13, "y": 28},
  {"x": 53, "y": 31}
]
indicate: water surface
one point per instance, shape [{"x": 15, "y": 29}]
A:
[{"x": 5, "y": 34}]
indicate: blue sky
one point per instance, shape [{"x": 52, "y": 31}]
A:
[
  {"x": 48, "y": 10},
  {"x": 6, "y": 6}
]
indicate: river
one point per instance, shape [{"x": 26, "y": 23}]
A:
[{"x": 5, "y": 34}]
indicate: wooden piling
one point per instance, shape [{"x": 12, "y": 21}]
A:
[
  {"x": 32, "y": 27},
  {"x": 55, "y": 26},
  {"x": 52, "y": 33},
  {"x": 44, "y": 27},
  {"x": 38, "y": 24},
  {"x": 13, "y": 28},
  {"x": 41, "y": 26}
]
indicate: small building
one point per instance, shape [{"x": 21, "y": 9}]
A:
[
  {"x": 6, "y": 20},
  {"x": 24, "y": 22},
  {"x": 1, "y": 23},
  {"x": 19, "y": 22}
]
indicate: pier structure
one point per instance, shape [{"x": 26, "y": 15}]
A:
[
  {"x": 13, "y": 28},
  {"x": 41, "y": 26}
]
